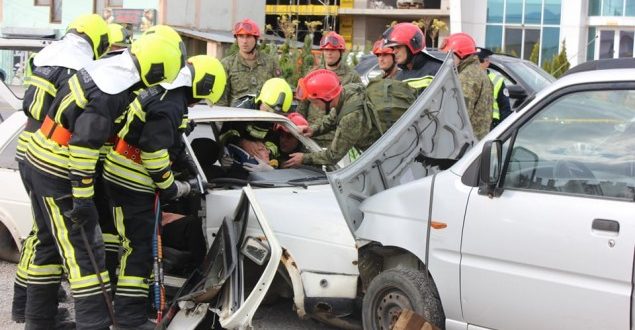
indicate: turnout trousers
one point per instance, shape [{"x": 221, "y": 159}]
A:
[
  {"x": 134, "y": 217},
  {"x": 58, "y": 240}
]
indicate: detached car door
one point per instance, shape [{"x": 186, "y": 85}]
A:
[
  {"x": 433, "y": 133},
  {"x": 555, "y": 249}
]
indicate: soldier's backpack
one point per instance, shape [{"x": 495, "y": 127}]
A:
[{"x": 388, "y": 100}]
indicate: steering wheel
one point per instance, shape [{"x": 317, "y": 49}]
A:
[{"x": 571, "y": 169}]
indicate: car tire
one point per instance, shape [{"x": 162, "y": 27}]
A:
[
  {"x": 8, "y": 250},
  {"x": 396, "y": 289}
]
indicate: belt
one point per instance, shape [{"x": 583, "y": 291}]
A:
[
  {"x": 55, "y": 131},
  {"x": 129, "y": 151}
]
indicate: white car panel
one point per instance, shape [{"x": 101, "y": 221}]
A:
[{"x": 329, "y": 285}]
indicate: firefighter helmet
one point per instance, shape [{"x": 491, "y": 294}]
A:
[
  {"x": 276, "y": 94},
  {"x": 319, "y": 84},
  {"x": 208, "y": 77},
  {"x": 246, "y": 27},
  {"x": 158, "y": 59},
  {"x": 119, "y": 35},
  {"x": 380, "y": 49},
  {"x": 462, "y": 44},
  {"x": 93, "y": 29},
  {"x": 406, "y": 34}
]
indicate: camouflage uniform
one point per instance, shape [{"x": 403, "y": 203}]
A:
[
  {"x": 477, "y": 90},
  {"x": 353, "y": 127},
  {"x": 347, "y": 75},
  {"x": 244, "y": 80}
]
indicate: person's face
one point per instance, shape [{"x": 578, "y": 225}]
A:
[
  {"x": 331, "y": 56},
  {"x": 245, "y": 43},
  {"x": 401, "y": 54},
  {"x": 485, "y": 63},
  {"x": 288, "y": 143},
  {"x": 386, "y": 61}
]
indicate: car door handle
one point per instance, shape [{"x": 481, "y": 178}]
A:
[{"x": 606, "y": 225}]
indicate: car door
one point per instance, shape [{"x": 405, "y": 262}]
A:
[
  {"x": 434, "y": 132},
  {"x": 236, "y": 273},
  {"x": 555, "y": 249}
]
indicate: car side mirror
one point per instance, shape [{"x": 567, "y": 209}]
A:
[
  {"x": 516, "y": 92},
  {"x": 490, "y": 168}
]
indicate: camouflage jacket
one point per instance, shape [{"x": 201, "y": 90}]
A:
[
  {"x": 347, "y": 75},
  {"x": 243, "y": 80},
  {"x": 353, "y": 127},
  {"x": 477, "y": 90}
]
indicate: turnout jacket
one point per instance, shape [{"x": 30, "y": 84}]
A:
[
  {"x": 152, "y": 126},
  {"x": 424, "y": 68}
]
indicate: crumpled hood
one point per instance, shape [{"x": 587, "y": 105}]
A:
[
  {"x": 72, "y": 52},
  {"x": 114, "y": 74}
]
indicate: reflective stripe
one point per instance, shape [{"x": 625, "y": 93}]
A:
[
  {"x": 67, "y": 101},
  {"x": 26, "y": 255},
  {"x": 35, "y": 109},
  {"x": 77, "y": 92},
  {"x": 421, "y": 82},
  {"x": 48, "y": 151},
  {"x": 125, "y": 242},
  {"x": 88, "y": 281},
  {"x": 132, "y": 281},
  {"x": 63, "y": 240},
  {"x": 124, "y": 168},
  {"x": 157, "y": 160},
  {"x": 497, "y": 82},
  {"x": 84, "y": 192},
  {"x": 43, "y": 84},
  {"x": 23, "y": 143}
]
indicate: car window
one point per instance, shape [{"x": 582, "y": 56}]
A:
[
  {"x": 7, "y": 155},
  {"x": 531, "y": 75},
  {"x": 582, "y": 143}
]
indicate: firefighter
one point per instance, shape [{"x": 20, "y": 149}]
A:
[
  {"x": 332, "y": 46},
  {"x": 248, "y": 69},
  {"x": 476, "y": 86},
  {"x": 501, "y": 108},
  {"x": 385, "y": 59},
  {"x": 61, "y": 160},
  {"x": 139, "y": 166},
  {"x": 408, "y": 42},
  {"x": 120, "y": 38},
  {"x": 83, "y": 42}
]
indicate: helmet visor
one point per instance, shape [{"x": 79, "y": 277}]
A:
[
  {"x": 330, "y": 40},
  {"x": 244, "y": 28}
]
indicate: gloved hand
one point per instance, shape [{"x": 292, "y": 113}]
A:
[
  {"x": 189, "y": 127},
  {"x": 182, "y": 188},
  {"x": 84, "y": 210},
  {"x": 262, "y": 166}
]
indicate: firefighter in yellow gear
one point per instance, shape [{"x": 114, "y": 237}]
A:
[{"x": 61, "y": 162}]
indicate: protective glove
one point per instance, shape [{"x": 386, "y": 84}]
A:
[
  {"x": 176, "y": 190},
  {"x": 84, "y": 210},
  {"x": 262, "y": 166},
  {"x": 189, "y": 127}
]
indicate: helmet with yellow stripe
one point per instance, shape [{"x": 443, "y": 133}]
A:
[
  {"x": 159, "y": 56},
  {"x": 93, "y": 29}
]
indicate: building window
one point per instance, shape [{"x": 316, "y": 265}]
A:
[
  {"x": 56, "y": 11},
  {"x": 607, "y": 39},
  {"x": 590, "y": 44},
  {"x": 516, "y": 26},
  {"x": 42, "y": 2},
  {"x": 614, "y": 43},
  {"x": 612, "y": 8},
  {"x": 115, "y": 3}
]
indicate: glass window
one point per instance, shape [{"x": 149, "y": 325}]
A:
[
  {"x": 607, "y": 44},
  {"x": 630, "y": 8},
  {"x": 552, "y": 12},
  {"x": 590, "y": 44},
  {"x": 532, "y": 37},
  {"x": 612, "y": 7},
  {"x": 494, "y": 11},
  {"x": 514, "y": 11},
  {"x": 594, "y": 7},
  {"x": 550, "y": 43},
  {"x": 626, "y": 44},
  {"x": 579, "y": 144},
  {"x": 494, "y": 37},
  {"x": 533, "y": 11},
  {"x": 513, "y": 41}
]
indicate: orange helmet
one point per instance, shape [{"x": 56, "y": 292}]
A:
[
  {"x": 248, "y": 27},
  {"x": 295, "y": 118},
  {"x": 380, "y": 49},
  {"x": 406, "y": 34},
  {"x": 462, "y": 44},
  {"x": 321, "y": 84},
  {"x": 332, "y": 40}
]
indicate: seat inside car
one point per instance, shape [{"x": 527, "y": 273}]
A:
[{"x": 208, "y": 152}]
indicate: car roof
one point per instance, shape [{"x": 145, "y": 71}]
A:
[
  {"x": 604, "y": 64},
  {"x": 203, "y": 112}
]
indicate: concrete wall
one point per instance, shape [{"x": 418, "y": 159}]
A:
[{"x": 213, "y": 15}]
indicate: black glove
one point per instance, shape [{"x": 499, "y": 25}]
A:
[
  {"x": 189, "y": 127},
  {"x": 84, "y": 210}
]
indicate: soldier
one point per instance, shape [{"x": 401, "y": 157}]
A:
[
  {"x": 248, "y": 69},
  {"x": 151, "y": 128},
  {"x": 333, "y": 47},
  {"x": 61, "y": 161},
  {"x": 476, "y": 86},
  {"x": 353, "y": 123},
  {"x": 501, "y": 106},
  {"x": 85, "y": 40},
  {"x": 407, "y": 42},
  {"x": 386, "y": 59}
]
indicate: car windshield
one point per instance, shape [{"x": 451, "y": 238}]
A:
[{"x": 532, "y": 75}]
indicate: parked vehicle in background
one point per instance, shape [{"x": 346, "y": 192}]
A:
[
  {"x": 523, "y": 78},
  {"x": 533, "y": 228}
]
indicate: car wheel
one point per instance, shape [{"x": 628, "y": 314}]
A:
[
  {"x": 395, "y": 290},
  {"x": 8, "y": 249}
]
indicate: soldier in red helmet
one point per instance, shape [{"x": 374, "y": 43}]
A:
[{"x": 386, "y": 59}]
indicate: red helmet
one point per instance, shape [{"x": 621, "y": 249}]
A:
[
  {"x": 380, "y": 49},
  {"x": 406, "y": 34},
  {"x": 248, "y": 27},
  {"x": 332, "y": 40},
  {"x": 462, "y": 44},
  {"x": 321, "y": 84},
  {"x": 295, "y": 118}
]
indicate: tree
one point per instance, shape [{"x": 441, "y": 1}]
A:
[
  {"x": 535, "y": 53},
  {"x": 559, "y": 63}
]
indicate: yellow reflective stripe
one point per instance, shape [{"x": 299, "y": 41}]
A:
[
  {"x": 184, "y": 123},
  {"x": 88, "y": 281},
  {"x": 110, "y": 238},
  {"x": 66, "y": 102},
  {"x": 35, "y": 108},
  {"x": 132, "y": 281},
  {"x": 497, "y": 82},
  {"x": 77, "y": 92},
  {"x": 61, "y": 234},
  {"x": 125, "y": 242},
  {"x": 23, "y": 143},
  {"x": 112, "y": 165},
  {"x": 165, "y": 184},
  {"x": 137, "y": 111},
  {"x": 82, "y": 159},
  {"x": 48, "y": 151},
  {"x": 28, "y": 249},
  {"x": 45, "y": 269},
  {"x": 83, "y": 192},
  {"x": 43, "y": 84},
  {"x": 421, "y": 82},
  {"x": 157, "y": 160},
  {"x": 84, "y": 152}
]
